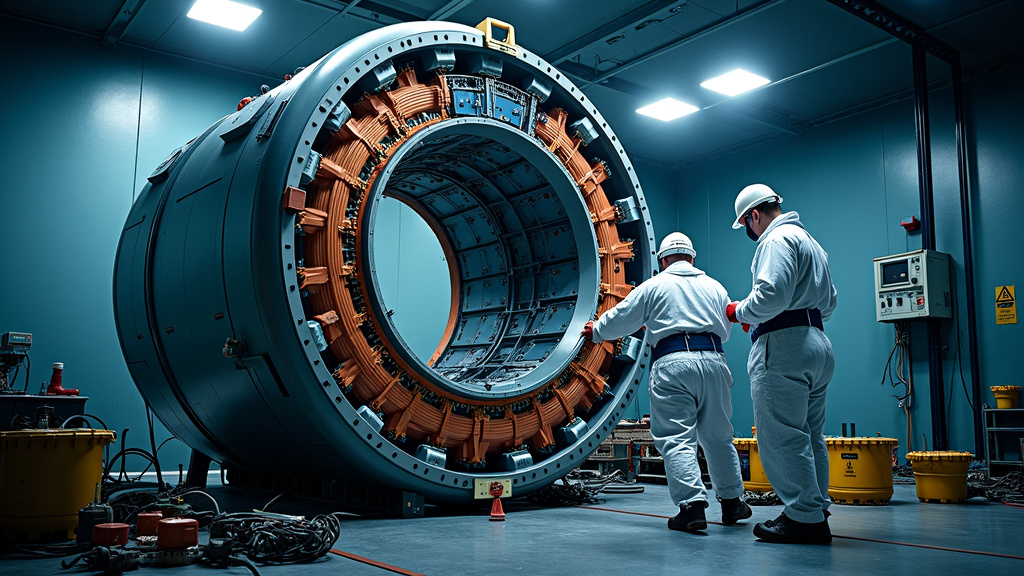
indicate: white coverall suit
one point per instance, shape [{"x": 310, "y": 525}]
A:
[
  {"x": 690, "y": 391},
  {"x": 790, "y": 368}
]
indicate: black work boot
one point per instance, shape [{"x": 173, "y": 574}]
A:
[
  {"x": 785, "y": 530},
  {"x": 690, "y": 518},
  {"x": 734, "y": 510}
]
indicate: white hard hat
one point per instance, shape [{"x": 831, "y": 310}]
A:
[
  {"x": 750, "y": 197},
  {"x": 676, "y": 243}
]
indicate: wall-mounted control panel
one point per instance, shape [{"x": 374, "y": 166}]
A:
[{"x": 912, "y": 285}]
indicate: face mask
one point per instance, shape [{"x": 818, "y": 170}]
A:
[{"x": 750, "y": 231}]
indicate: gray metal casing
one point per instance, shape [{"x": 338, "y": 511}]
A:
[
  {"x": 924, "y": 294},
  {"x": 207, "y": 254}
]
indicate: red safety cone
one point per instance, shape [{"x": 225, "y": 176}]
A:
[{"x": 497, "y": 514}]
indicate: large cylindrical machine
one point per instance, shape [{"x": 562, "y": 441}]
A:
[{"x": 245, "y": 292}]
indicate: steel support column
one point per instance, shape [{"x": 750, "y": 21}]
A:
[
  {"x": 924, "y": 173},
  {"x": 965, "y": 218}
]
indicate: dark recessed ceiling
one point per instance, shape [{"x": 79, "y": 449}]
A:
[{"x": 824, "y": 61}]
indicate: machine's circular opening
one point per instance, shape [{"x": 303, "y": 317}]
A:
[
  {"x": 509, "y": 215},
  {"x": 412, "y": 275}
]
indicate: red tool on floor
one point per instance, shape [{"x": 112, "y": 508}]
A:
[{"x": 497, "y": 514}]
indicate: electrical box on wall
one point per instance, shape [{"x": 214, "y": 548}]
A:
[{"x": 912, "y": 285}]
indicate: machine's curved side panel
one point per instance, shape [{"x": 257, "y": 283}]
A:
[
  {"x": 135, "y": 308},
  {"x": 248, "y": 244}
]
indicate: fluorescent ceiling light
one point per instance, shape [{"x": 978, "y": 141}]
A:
[
  {"x": 667, "y": 109},
  {"x": 736, "y": 82},
  {"x": 224, "y": 13}
]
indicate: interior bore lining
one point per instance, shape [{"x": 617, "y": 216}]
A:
[{"x": 514, "y": 249}]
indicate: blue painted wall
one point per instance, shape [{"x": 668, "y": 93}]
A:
[
  {"x": 413, "y": 276},
  {"x": 660, "y": 186},
  {"x": 84, "y": 125},
  {"x": 852, "y": 182}
]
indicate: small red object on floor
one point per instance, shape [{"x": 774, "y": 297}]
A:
[
  {"x": 110, "y": 534},
  {"x": 176, "y": 533},
  {"x": 497, "y": 514},
  {"x": 146, "y": 523}
]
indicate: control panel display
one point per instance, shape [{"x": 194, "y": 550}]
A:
[{"x": 912, "y": 285}]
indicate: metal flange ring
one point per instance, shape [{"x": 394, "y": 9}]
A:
[{"x": 252, "y": 319}]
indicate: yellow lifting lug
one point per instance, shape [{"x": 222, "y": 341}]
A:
[{"x": 508, "y": 45}]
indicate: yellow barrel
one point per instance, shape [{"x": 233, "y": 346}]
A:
[
  {"x": 754, "y": 478},
  {"x": 860, "y": 470},
  {"x": 46, "y": 476},
  {"x": 1006, "y": 396},
  {"x": 940, "y": 476}
]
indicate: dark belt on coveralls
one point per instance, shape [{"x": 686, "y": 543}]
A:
[
  {"x": 789, "y": 319},
  {"x": 685, "y": 341}
]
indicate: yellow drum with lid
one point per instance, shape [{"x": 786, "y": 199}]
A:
[
  {"x": 754, "y": 478},
  {"x": 45, "y": 477},
  {"x": 941, "y": 476},
  {"x": 1006, "y": 396},
  {"x": 860, "y": 470}
]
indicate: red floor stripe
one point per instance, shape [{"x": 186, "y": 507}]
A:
[
  {"x": 910, "y": 544},
  {"x": 930, "y": 547},
  {"x": 387, "y": 567}
]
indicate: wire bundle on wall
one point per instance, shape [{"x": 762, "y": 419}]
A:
[{"x": 904, "y": 376}]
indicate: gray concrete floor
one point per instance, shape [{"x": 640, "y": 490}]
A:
[{"x": 626, "y": 534}]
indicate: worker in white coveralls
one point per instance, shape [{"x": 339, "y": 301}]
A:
[
  {"x": 684, "y": 311},
  {"x": 790, "y": 362}
]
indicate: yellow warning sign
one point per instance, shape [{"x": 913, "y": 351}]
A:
[{"x": 1006, "y": 305}]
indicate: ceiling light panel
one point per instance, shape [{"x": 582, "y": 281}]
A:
[
  {"x": 667, "y": 109},
  {"x": 224, "y": 13},
  {"x": 734, "y": 83}
]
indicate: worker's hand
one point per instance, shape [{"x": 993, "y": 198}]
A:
[
  {"x": 730, "y": 312},
  {"x": 745, "y": 326},
  {"x": 588, "y": 331}
]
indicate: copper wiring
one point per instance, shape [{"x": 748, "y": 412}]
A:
[{"x": 336, "y": 202}]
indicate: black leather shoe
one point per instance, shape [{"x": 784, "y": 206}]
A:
[
  {"x": 734, "y": 510},
  {"x": 690, "y": 518},
  {"x": 785, "y": 530}
]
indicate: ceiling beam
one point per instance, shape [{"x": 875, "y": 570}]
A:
[
  {"x": 450, "y": 8},
  {"x": 763, "y": 115},
  {"x": 573, "y": 48},
  {"x": 716, "y": 26},
  {"x": 121, "y": 21},
  {"x": 891, "y": 22},
  {"x": 362, "y": 12},
  {"x": 349, "y": 7}
]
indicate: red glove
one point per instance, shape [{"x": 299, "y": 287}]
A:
[
  {"x": 588, "y": 331},
  {"x": 730, "y": 312}
]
